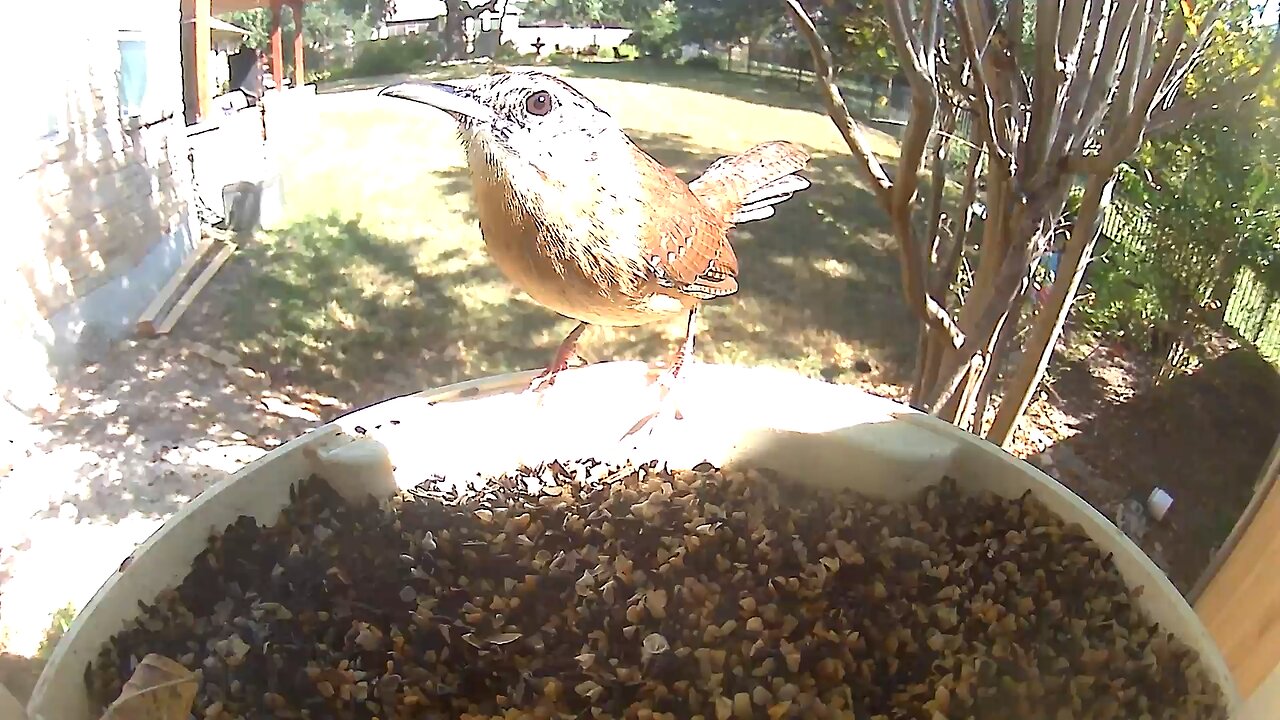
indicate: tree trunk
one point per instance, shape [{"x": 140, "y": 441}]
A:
[
  {"x": 501, "y": 17},
  {"x": 977, "y": 306},
  {"x": 933, "y": 231},
  {"x": 1053, "y": 315},
  {"x": 930, "y": 363},
  {"x": 455, "y": 40},
  {"x": 999, "y": 354}
]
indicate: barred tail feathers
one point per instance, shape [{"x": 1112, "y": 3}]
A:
[{"x": 747, "y": 186}]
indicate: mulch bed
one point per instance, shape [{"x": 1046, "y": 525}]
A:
[{"x": 1203, "y": 437}]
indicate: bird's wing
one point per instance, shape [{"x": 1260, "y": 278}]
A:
[
  {"x": 747, "y": 186},
  {"x": 686, "y": 246}
]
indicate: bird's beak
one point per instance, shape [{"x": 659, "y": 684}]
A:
[{"x": 455, "y": 100}]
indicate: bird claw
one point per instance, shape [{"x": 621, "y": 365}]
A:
[
  {"x": 547, "y": 377},
  {"x": 666, "y": 406},
  {"x": 544, "y": 380}
]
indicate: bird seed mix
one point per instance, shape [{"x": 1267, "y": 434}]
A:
[{"x": 584, "y": 590}]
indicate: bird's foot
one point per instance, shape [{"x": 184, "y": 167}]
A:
[
  {"x": 547, "y": 377},
  {"x": 564, "y": 357},
  {"x": 667, "y": 408}
]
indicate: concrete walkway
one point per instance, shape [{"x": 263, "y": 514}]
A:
[{"x": 139, "y": 434}]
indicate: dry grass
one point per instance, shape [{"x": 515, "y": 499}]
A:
[{"x": 378, "y": 281}]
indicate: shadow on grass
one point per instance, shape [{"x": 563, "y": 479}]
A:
[
  {"x": 770, "y": 90},
  {"x": 427, "y": 73},
  {"x": 328, "y": 304},
  {"x": 757, "y": 89}
]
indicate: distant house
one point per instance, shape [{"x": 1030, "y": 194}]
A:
[
  {"x": 412, "y": 17},
  {"x": 102, "y": 210},
  {"x": 564, "y": 38}
]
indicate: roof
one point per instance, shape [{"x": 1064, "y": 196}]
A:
[
  {"x": 221, "y": 7},
  {"x": 417, "y": 10}
]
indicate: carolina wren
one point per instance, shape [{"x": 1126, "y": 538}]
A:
[{"x": 591, "y": 226}]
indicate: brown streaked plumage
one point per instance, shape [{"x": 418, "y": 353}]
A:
[{"x": 588, "y": 224}]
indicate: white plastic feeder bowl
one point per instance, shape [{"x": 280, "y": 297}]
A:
[{"x": 827, "y": 434}]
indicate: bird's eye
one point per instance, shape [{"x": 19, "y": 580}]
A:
[{"x": 538, "y": 103}]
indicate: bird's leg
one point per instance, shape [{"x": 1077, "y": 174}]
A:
[
  {"x": 667, "y": 379},
  {"x": 683, "y": 353},
  {"x": 560, "y": 362}
]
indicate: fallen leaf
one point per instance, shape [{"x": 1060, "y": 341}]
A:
[{"x": 159, "y": 689}]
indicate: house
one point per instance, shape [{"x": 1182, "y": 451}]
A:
[
  {"x": 486, "y": 31},
  {"x": 411, "y": 17},
  {"x": 546, "y": 39},
  {"x": 114, "y": 134},
  {"x": 102, "y": 207}
]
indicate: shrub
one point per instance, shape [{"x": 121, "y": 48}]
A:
[
  {"x": 607, "y": 53},
  {"x": 394, "y": 55},
  {"x": 706, "y": 62},
  {"x": 507, "y": 52},
  {"x": 626, "y": 51}
]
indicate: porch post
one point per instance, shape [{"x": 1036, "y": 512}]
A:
[
  {"x": 277, "y": 46},
  {"x": 299, "y": 77},
  {"x": 196, "y": 47}
]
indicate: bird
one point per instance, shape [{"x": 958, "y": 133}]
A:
[{"x": 588, "y": 224}]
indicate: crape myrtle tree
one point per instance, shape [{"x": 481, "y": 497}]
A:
[{"x": 1059, "y": 93}]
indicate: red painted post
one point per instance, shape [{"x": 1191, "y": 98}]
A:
[
  {"x": 299, "y": 76},
  {"x": 277, "y": 46}
]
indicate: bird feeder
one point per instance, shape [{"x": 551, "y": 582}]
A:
[{"x": 732, "y": 417}]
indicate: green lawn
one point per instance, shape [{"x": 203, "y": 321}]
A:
[{"x": 378, "y": 281}]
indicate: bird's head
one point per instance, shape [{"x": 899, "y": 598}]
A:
[{"x": 523, "y": 116}]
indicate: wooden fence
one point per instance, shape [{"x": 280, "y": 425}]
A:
[{"x": 1254, "y": 313}]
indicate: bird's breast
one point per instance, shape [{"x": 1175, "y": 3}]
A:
[{"x": 568, "y": 258}]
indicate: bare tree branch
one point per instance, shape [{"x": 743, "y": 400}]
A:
[
  {"x": 924, "y": 106},
  {"x": 972, "y": 39},
  {"x": 1189, "y": 60},
  {"x": 1047, "y": 327},
  {"x": 1228, "y": 98},
  {"x": 1119, "y": 25},
  {"x": 996, "y": 359},
  {"x": 889, "y": 193},
  {"x": 942, "y": 280},
  {"x": 1011, "y": 279},
  {"x": 1008, "y": 86},
  {"x": 1087, "y": 53},
  {"x": 900, "y": 26},
  {"x": 1013, "y": 12},
  {"x": 954, "y": 76},
  {"x": 1044, "y": 87},
  {"x": 1081, "y": 164},
  {"x": 915, "y": 51},
  {"x": 1124, "y": 143},
  {"x": 851, "y": 130},
  {"x": 937, "y": 184},
  {"x": 1137, "y": 60}
]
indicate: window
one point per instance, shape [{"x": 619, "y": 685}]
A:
[{"x": 132, "y": 73}]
